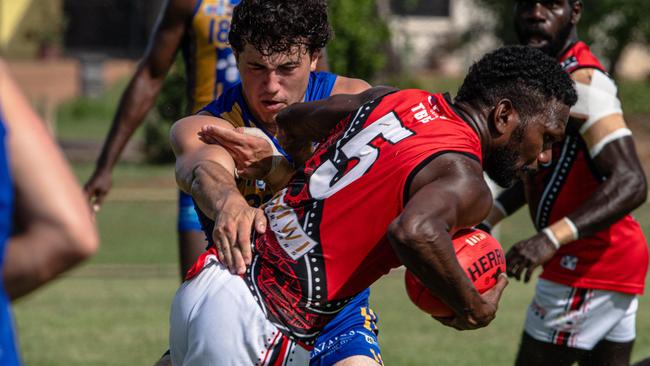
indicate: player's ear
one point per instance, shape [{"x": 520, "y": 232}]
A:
[
  {"x": 576, "y": 12},
  {"x": 504, "y": 118},
  {"x": 313, "y": 59}
]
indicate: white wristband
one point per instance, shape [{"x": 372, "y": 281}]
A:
[
  {"x": 573, "y": 227},
  {"x": 551, "y": 237}
]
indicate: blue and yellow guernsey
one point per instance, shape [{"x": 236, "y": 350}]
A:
[
  {"x": 210, "y": 62},
  {"x": 232, "y": 107}
]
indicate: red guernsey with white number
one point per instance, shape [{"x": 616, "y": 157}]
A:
[
  {"x": 613, "y": 259},
  {"x": 326, "y": 238}
]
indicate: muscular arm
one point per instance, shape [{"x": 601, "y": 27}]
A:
[
  {"x": 206, "y": 171},
  {"x": 141, "y": 93},
  {"x": 448, "y": 194},
  {"x": 53, "y": 229},
  {"x": 625, "y": 187},
  {"x": 302, "y": 123},
  {"x": 598, "y": 117}
]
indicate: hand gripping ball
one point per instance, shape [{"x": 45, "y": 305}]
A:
[{"x": 481, "y": 257}]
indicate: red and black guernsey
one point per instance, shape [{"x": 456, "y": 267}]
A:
[
  {"x": 614, "y": 259},
  {"x": 326, "y": 238}
]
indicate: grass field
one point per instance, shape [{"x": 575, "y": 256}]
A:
[{"x": 114, "y": 309}]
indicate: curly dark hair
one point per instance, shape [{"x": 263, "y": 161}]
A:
[
  {"x": 523, "y": 74},
  {"x": 276, "y": 26}
]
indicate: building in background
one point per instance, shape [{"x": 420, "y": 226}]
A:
[
  {"x": 91, "y": 43},
  {"x": 431, "y": 34},
  {"x": 448, "y": 35}
]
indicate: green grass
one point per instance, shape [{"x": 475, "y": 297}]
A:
[
  {"x": 85, "y": 320},
  {"x": 114, "y": 309}
]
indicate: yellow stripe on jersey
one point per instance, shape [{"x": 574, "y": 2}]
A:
[
  {"x": 367, "y": 318},
  {"x": 234, "y": 116},
  {"x": 376, "y": 356},
  {"x": 256, "y": 192}
]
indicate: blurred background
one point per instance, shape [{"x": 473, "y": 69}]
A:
[{"x": 73, "y": 59}]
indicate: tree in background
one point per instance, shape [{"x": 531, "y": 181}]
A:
[
  {"x": 361, "y": 39},
  {"x": 608, "y": 26}
]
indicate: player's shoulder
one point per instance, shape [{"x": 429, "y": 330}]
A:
[
  {"x": 346, "y": 85},
  {"x": 578, "y": 57},
  {"x": 587, "y": 75}
]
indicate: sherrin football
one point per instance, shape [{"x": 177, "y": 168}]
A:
[{"x": 478, "y": 253}]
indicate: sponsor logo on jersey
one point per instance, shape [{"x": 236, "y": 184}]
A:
[
  {"x": 287, "y": 229},
  {"x": 218, "y": 10},
  {"x": 260, "y": 184},
  {"x": 334, "y": 344},
  {"x": 423, "y": 114},
  {"x": 569, "y": 262},
  {"x": 369, "y": 339},
  {"x": 569, "y": 63}
]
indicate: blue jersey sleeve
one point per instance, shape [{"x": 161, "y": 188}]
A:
[{"x": 320, "y": 86}]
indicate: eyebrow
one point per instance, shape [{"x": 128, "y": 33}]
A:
[
  {"x": 254, "y": 63},
  {"x": 265, "y": 66},
  {"x": 290, "y": 63}
]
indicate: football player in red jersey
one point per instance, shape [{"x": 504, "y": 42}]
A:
[
  {"x": 395, "y": 173},
  {"x": 594, "y": 254}
]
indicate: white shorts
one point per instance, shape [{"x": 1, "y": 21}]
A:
[
  {"x": 215, "y": 321},
  {"x": 580, "y": 318}
]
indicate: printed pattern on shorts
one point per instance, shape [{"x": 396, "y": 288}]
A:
[
  {"x": 574, "y": 304},
  {"x": 353, "y": 333},
  {"x": 580, "y": 318}
]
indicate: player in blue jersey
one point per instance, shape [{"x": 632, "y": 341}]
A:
[
  {"x": 198, "y": 28},
  {"x": 276, "y": 61},
  {"x": 45, "y": 228}
]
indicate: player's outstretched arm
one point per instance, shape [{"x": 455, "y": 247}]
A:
[
  {"x": 140, "y": 94},
  {"x": 302, "y": 123},
  {"x": 206, "y": 171},
  {"x": 447, "y": 195},
  {"x": 256, "y": 155},
  {"x": 53, "y": 229}
]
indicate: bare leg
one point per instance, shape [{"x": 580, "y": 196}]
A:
[
  {"x": 536, "y": 353},
  {"x": 607, "y": 353}
]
